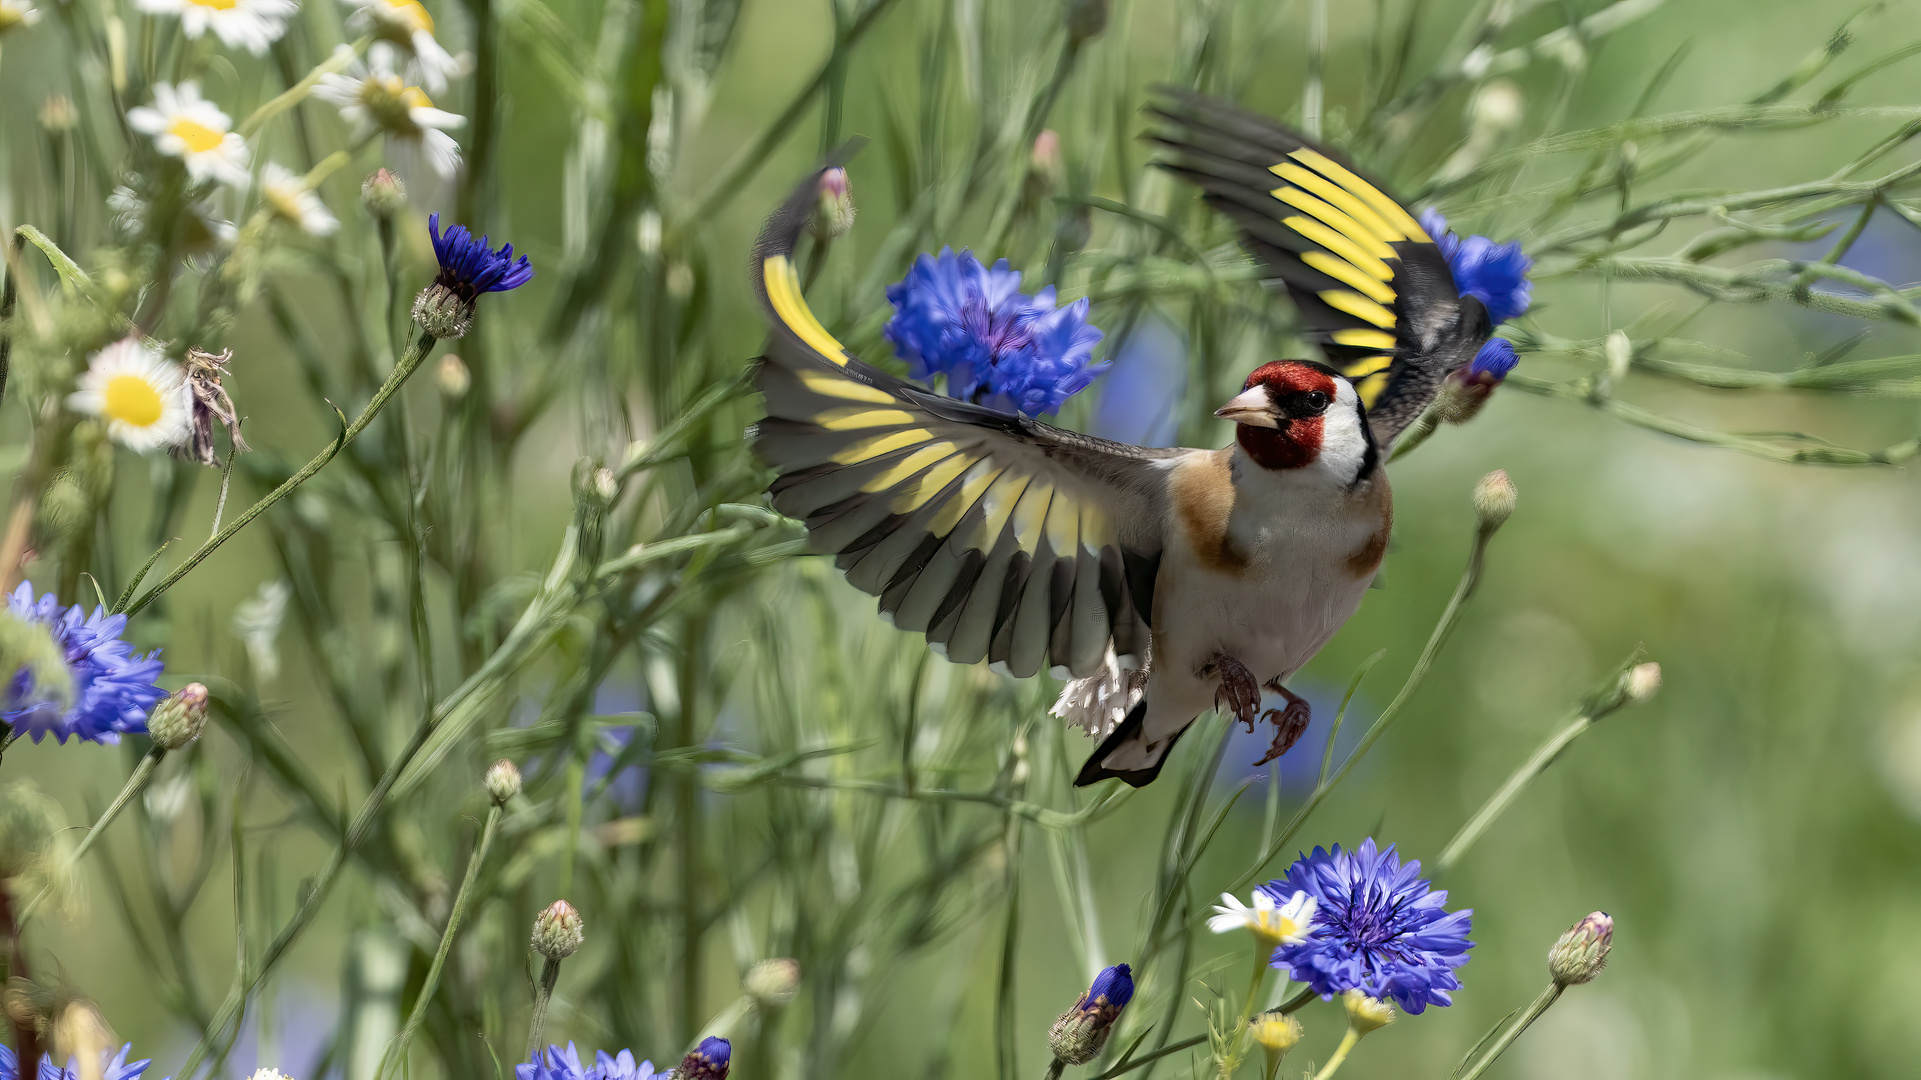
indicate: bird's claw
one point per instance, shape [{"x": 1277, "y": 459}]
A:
[
  {"x": 1289, "y": 725},
  {"x": 1240, "y": 689}
]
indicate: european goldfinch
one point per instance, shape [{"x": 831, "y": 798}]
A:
[{"x": 1221, "y": 572}]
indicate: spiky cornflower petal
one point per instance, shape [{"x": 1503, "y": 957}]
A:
[
  {"x": 996, "y": 345},
  {"x": 708, "y": 1061},
  {"x": 1495, "y": 274},
  {"x": 1494, "y": 360},
  {"x": 112, "y": 685},
  {"x": 1378, "y": 928},
  {"x": 468, "y": 268},
  {"x": 116, "y": 1067}
]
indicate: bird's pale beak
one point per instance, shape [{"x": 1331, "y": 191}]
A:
[{"x": 1252, "y": 408}]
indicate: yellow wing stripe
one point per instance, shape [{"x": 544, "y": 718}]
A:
[
  {"x": 1366, "y": 366},
  {"x": 1388, "y": 208},
  {"x": 1345, "y": 273},
  {"x": 1336, "y": 220},
  {"x": 855, "y": 416},
  {"x": 827, "y": 385},
  {"x": 783, "y": 291},
  {"x": 1096, "y": 531},
  {"x": 1358, "y": 306},
  {"x": 1339, "y": 245},
  {"x": 1029, "y": 513},
  {"x": 928, "y": 484},
  {"x": 875, "y": 445},
  {"x": 909, "y": 465},
  {"x": 1370, "y": 389},
  {"x": 1339, "y": 196},
  {"x": 1366, "y": 339},
  {"x": 982, "y": 474},
  {"x": 1063, "y": 526},
  {"x": 998, "y": 504}
]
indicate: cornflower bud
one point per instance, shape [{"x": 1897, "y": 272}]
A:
[
  {"x": 1275, "y": 1033},
  {"x": 383, "y": 194},
  {"x": 558, "y": 931},
  {"x": 1640, "y": 685},
  {"x": 834, "y": 212},
  {"x": 469, "y": 269},
  {"x": 453, "y": 378},
  {"x": 1085, "y": 19},
  {"x": 772, "y": 982},
  {"x": 503, "y": 783},
  {"x": 1045, "y": 172},
  {"x": 606, "y": 484},
  {"x": 57, "y": 114},
  {"x": 1494, "y": 499},
  {"x": 708, "y": 1061},
  {"x": 1366, "y": 1014},
  {"x": 1582, "y": 952},
  {"x": 1077, "y": 1037},
  {"x": 180, "y": 718}
]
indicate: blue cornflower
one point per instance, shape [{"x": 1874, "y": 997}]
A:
[
  {"x": 996, "y": 345},
  {"x": 115, "y": 1068},
  {"x": 709, "y": 1061},
  {"x": 468, "y": 268},
  {"x": 1377, "y": 928},
  {"x": 1080, "y": 1033},
  {"x": 1495, "y": 274},
  {"x": 559, "y": 1064},
  {"x": 1494, "y": 361},
  {"x": 112, "y": 685}
]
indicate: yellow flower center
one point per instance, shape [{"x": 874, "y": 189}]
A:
[
  {"x": 388, "y": 100},
  {"x": 411, "y": 13},
  {"x": 1270, "y": 924},
  {"x": 217, "y": 5},
  {"x": 415, "y": 98},
  {"x": 285, "y": 200},
  {"x": 199, "y": 137},
  {"x": 132, "y": 400}
]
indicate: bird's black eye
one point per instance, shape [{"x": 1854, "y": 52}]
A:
[{"x": 1317, "y": 401}]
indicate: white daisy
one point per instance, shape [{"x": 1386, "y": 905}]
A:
[
  {"x": 1274, "y": 924},
  {"x": 287, "y": 195},
  {"x": 193, "y": 129},
  {"x": 140, "y": 393},
  {"x": 17, "y": 15},
  {"x": 374, "y": 98},
  {"x": 404, "y": 26},
  {"x": 239, "y": 24}
]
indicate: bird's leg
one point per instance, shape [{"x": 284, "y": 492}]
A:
[
  {"x": 1239, "y": 687},
  {"x": 1289, "y": 723}
]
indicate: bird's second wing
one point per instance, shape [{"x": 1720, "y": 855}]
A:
[
  {"x": 1373, "y": 288},
  {"x": 1000, "y": 538}
]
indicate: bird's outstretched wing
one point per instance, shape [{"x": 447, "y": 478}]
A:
[
  {"x": 1373, "y": 288},
  {"x": 999, "y": 537}
]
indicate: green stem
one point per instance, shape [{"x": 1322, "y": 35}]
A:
[
  {"x": 397, "y": 1050},
  {"x": 1502, "y": 799},
  {"x": 1547, "y": 997},
  {"x": 1147, "y": 1059},
  {"x": 1055, "y": 1069},
  {"x": 1340, "y": 1054},
  {"x": 135, "y": 783},
  {"x": 1293, "y": 1004},
  {"x": 409, "y": 363},
  {"x": 543, "y": 995},
  {"x": 1254, "y": 984}
]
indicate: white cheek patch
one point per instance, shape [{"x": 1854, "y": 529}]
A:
[{"x": 1343, "y": 442}]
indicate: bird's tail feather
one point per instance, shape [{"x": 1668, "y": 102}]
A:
[{"x": 1127, "y": 755}]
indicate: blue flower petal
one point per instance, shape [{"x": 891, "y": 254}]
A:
[
  {"x": 113, "y": 687},
  {"x": 1495, "y": 274},
  {"x": 469, "y": 267}
]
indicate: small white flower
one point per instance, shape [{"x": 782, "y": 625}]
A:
[
  {"x": 141, "y": 395},
  {"x": 404, "y": 26},
  {"x": 286, "y": 193},
  {"x": 193, "y": 129},
  {"x": 268, "y": 1074},
  {"x": 374, "y": 98},
  {"x": 239, "y": 24},
  {"x": 17, "y": 15},
  {"x": 1274, "y": 924}
]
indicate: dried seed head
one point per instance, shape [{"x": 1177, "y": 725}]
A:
[{"x": 558, "y": 931}]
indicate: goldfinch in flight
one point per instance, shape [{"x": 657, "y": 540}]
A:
[{"x": 1219, "y": 572}]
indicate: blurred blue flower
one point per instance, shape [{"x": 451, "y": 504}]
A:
[
  {"x": 1494, "y": 361},
  {"x": 559, "y": 1064},
  {"x": 112, "y": 685},
  {"x": 709, "y": 1061},
  {"x": 997, "y": 346},
  {"x": 116, "y": 1067},
  {"x": 1377, "y": 928},
  {"x": 468, "y": 267},
  {"x": 1495, "y": 274}
]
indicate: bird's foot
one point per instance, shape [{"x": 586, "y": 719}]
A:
[
  {"x": 1239, "y": 688},
  {"x": 1289, "y": 723}
]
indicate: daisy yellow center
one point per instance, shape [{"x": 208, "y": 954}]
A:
[
  {"x": 285, "y": 200},
  {"x": 199, "y": 137},
  {"x": 131, "y": 399},
  {"x": 1272, "y": 924},
  {"x": 217, "y": 5},
  {"x": 410, "y": 12},
  {"x": 415, "y": 98}
]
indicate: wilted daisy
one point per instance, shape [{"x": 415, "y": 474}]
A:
[
  {"x": 141, "y": 395},
  {"x": 193, "y": 129},
  {"x": 1270, "y": 920},
  {"x": 239, "y": 24},
  {"x": 286, "y": 193},
  {"x": 373, "y": 97},
  {"x": 112, "y": 685},
  {"x": 17, "y": 15},
  {"x": 404, "y": 26}
]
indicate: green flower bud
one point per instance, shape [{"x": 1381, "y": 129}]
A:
[
  {"x": 1494, "y": 499},
  {"x": 1085, "y": 19},
  {"x": 834, "y": 213},
  {"x": 1366, "y": 1014},
  {"x": 1640, "y": 685},
  {"x": 772, "y": 982},
  {"x": 179, "y": 719},
  {"x": 1582, "y": 952},
  {"x": 558, "y": 931},
  {"x": 453, "y": 378},
  {"x": 503, "y": 781},
  {"x": 383, "y": 194}
]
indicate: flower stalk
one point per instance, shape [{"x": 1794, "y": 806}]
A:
[{"x": 136, "y": 783}]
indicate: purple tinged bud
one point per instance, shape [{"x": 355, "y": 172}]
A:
[
  {"x": 1582, "y": 952},
  {"x": 834, "y": 213},
  {"x": 708, "y": 1061},
  {"x": 1080, "y": 1033}
]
